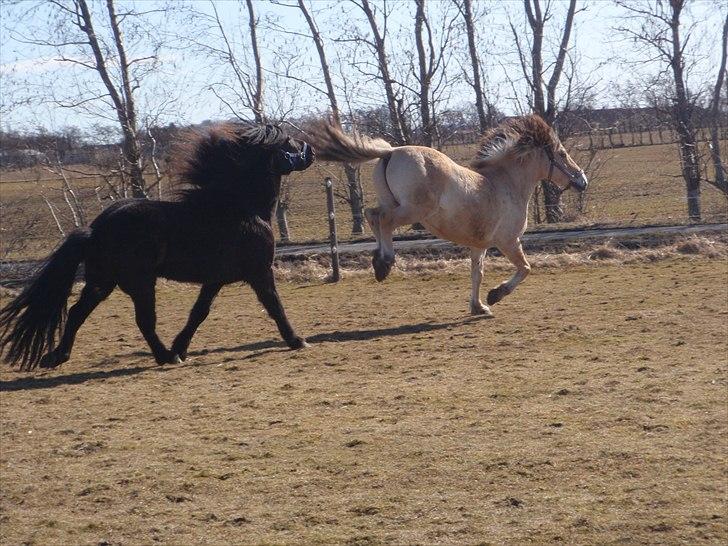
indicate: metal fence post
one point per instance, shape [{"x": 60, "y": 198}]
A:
[{"x": 335, "y": 274}]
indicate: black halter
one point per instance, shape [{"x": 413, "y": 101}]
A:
[{"x": 553, "y": 163}]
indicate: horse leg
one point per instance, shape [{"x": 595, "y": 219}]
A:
[
  {"x": 515, "y": 255},
  {"x": 143, "y": 295},
  {"x": 372, "y": 216},
  {"x": 265, "y": 289},
  {"x": 198, "y": 314},
  {"x": 91, "y": 296},
  {"x": 389, "y": 220},
  {"x": 476, "y": 276}
]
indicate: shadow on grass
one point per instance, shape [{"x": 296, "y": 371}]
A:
[
  {"x": 258, "y": 348},
  {"x": 50, "y": 381}
]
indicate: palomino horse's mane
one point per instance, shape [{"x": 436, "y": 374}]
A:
[
  {"x": 514, "y": 138},
  {"x": 216, "y": 155}
]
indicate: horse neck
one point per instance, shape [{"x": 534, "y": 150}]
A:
[
  {"x": 237, "y": 202},
  {"x": 525, "y": 175}
]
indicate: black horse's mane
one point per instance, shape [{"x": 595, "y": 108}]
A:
[{"x": 221, "y": 155}]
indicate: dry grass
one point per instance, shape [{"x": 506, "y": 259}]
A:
[
  {"x": 637, "y": 186},
  {"x": 599, "y": 417},
  {"x": 318, "y": 267}
]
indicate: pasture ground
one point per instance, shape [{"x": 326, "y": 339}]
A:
[{"x": 598, "y": 418}]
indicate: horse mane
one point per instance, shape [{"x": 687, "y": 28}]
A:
[
  {"x": 514, "y": 138},
  {"x": 217, "y": 155}
]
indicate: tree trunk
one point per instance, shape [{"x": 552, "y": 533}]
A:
[
  {"x": 356, "y": 201},
  {"x": 282, "y": 220},
  {"x": 467, "y": 12},
  {"x": 394, "y": 112},
  {"x": 257, "y": 97},
  {"x": 682, "y": 118},
  {"x": 719, "y": 180},
  {"x": 356, "y": 198},
  {"x": 424, "y": 76}
]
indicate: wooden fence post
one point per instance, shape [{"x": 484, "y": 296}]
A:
[{"x": 335, "y": 274}]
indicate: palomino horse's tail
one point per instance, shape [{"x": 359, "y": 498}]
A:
[
  {"x": 332, "y": 144},
  {"x": 29, "y": 323}
]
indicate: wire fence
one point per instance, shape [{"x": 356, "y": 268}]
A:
[{"x": 635, "y": 180}]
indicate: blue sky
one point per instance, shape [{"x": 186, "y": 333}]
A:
[{"x": 187, "y": 82}]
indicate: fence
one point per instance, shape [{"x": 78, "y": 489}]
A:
[{"x": 636, "y": 184}]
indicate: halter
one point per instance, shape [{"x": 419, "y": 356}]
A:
[
  {"x": 553, "y": 163},
  {"x": 297, "y": 161}
]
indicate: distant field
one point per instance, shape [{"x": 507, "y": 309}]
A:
[
  {"x": 636, "y": 186},
  {"x": 590, "y": 410}
]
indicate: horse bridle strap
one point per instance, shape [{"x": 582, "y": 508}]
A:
[{"x": 553, "y": 163}]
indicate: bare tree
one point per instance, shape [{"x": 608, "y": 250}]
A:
[
  {"x": 377, "y": 43},
  {"x": 466, "y": 10},
  {"x": 355, "y": 196},
  {"x": 720, "y": 180},
  {"x": 657, "y": 27},
  {"x": 72, "y": 32},
  {"x": 426, "y": 62},
  {"x": 542, "y": 90}
]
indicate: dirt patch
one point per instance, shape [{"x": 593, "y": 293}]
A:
[{"x": 590, "y": 410}]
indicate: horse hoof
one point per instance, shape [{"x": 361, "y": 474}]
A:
[
  {"x": 481, "y": 311},
  {"x": 382, "y": 268},
  {"x": 168, "y": 358},
  {"x": 495, "y": 295},
  {"x": 298, "y": 343},
  {"x": 51, "y": 360}
]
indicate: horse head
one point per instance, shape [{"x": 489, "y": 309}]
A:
[
  {"x": 293, "y": 155},
  {"x": 563, "y": 170}
]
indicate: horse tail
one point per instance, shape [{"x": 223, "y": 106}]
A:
[
  {"x": 332, "y": 144},
  {"x": 29, "y": 324}
]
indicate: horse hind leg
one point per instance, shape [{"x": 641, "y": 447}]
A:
[
  {"x": 199, "y": 313},
  {"x": 143, "y": 295},
  {"x": 91, "y": 296},
  {"x": 389, "y": 220},
  {"x": 516, "y": 256},
  {"x": 476, "y": 274},
  {"x": 381, "y": 268}
]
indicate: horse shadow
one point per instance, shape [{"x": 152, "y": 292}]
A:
[{"x": 258, "y": 348}]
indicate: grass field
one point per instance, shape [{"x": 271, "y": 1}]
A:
[
  {"x": 590, "y": 410},
  {"x": 636, "y": 186}
]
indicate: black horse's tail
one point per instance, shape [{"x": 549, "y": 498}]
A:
[{"x": 29, "y": 323}]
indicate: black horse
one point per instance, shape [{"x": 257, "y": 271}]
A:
[{"x": 218, "y": 232}]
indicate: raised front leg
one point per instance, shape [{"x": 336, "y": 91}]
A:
[
  {"x": 265, "y": 289},
  {"x": 143, "y": 296},
  {"x": 477, "y": 256},
  {"x": 198, "y": 314},
  {"x": 90, "y": 297},
  {"x": 515, "y": 255}
]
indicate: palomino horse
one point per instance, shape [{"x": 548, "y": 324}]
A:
[
  {"x": 479, "y": 207},
  {"x": 218, "y": 232}
]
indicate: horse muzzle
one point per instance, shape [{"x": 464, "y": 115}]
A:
[
  {"x": 287, "y": 162},
  {"x": 579, "y": 182}
]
